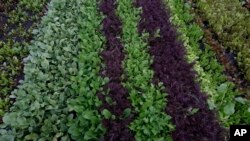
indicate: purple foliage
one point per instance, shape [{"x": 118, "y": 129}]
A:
[
  {"x": 171, "y": 68},
  {"x": 117, "y": 129}
]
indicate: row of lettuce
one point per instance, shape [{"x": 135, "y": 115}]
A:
[
  {"x": 95, "y": 77},
  {"x": 17, "y": 19}
]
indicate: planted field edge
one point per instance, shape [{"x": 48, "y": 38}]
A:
[
  {"x": 17, "y": 19},
  {"x": 230, "y": 22},
  {"x": 222, "y": 93}
]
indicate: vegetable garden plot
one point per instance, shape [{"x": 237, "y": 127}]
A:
[
  {"x": 212, "y": 80},
  {"x": 229, "y": 22},
  {"x": 17, "y": 19},
  {"x": 120, "y": 70}
]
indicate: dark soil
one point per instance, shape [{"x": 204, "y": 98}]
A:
[{"x": 247, "y": 4}]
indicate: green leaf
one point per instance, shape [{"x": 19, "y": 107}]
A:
[
  {"x": 108, "y": 100},
  {"x": 7, "y": 138},
  {"x": 241, "y": 100},
  {"x": 229, "y": 109},
  {"x": 45, "y": 63},
  {"x": 127, "y": 112},
  {"x": 106, "y": 114},
  {"x": 67, "y": 49},
  {"x": 88, "y": 115},
  {"x": 223, "y": 88},
  {"x": 31, "y": 136},
  {"x": 193, "y": 111},
  {"x": 211, "y": 104}
]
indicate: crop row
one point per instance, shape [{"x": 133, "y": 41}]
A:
[
  {"x": 150, "y": 123},
  {"x": 86, "y": 121},
  {"x": 230, "y": 22},
  {"x": 17, "y": 19}
]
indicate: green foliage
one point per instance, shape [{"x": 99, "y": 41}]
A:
[
  {"x": 10, "y": 62},
  {"x": 106, "y": 113},
  {"x": 210, "y": 73},
  {"x": 87, "y": 124},
  {"x": 35, "y": 5},
  {"x": 231, "y": 22},
  {"x": 56, "y": 100},
  {"x": 12, "y": 52},
  {"x": 229, "y": 109},
  {"x": 147, "y": 99}
]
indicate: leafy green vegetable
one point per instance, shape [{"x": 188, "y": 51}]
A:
[
  {"x": 193, "y": 111},
  {"x": 241, "y": 100},
  {"x": 106, "y": 114},
  {"x": 127, "y": 112},
  {"x": 229, "y": 109},
  {"x": 222, "y": 88}
]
